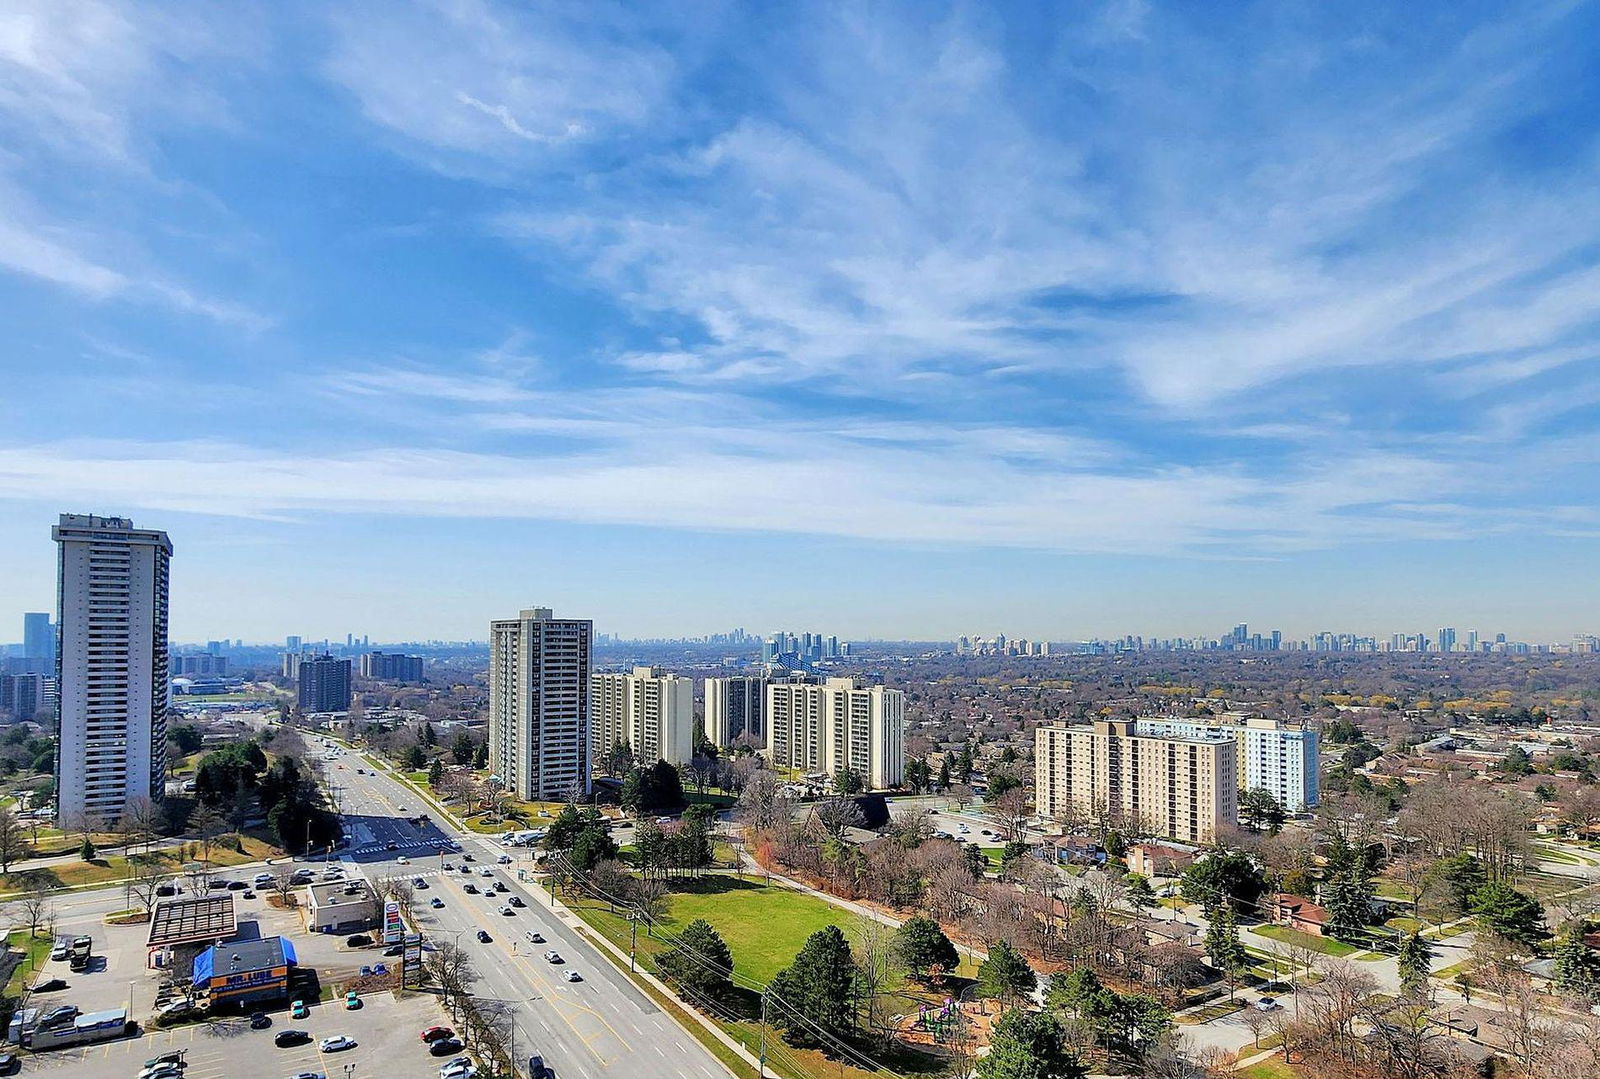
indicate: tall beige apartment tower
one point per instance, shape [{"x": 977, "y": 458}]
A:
[
  {"x": 539, "y": 704},
  {"x": 1183, "y": 788},
  {"x": 836, "y": 725},
  {"x": 111, "y": 667},
  {"x": 651, "y": 710}
]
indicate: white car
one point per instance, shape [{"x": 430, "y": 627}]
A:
[
  {"x": 574, "y": 976},
  {"x": 504, "y": 859},
  {"x": 458, "y": 1071},
  {"x": 505, "y": 908},
  {"x": 485, "y": 872},
  {"x": 553, "y": 956},
  {"x": 535, "y": 937},
  {"x": 403, "y": 860},
  {"x": 336, "y": 1043},
  {"x": 263, "y": 879}
]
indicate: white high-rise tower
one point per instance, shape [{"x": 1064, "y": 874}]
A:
[
  {"x": 539, "y": 704},
  {"x": 112, "y": 665}
]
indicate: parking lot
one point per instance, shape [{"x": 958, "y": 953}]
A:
[{"x": 385, "y": 1030}]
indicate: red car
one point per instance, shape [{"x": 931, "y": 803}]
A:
[{"x": 433, "y": 1034}]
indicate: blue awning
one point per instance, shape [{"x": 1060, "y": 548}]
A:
[{"x": 202, "y": 969}]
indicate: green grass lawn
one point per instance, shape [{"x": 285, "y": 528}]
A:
[
  {"x": 1551, "y": 854},
  {"x": 38, "y": 948},
  {"x": 1271, "y": 1068},
  {"x": 114, "y": 867},
  {"x": 1404, "y": 924},
  {"x": 1326, "y": 945},
  {"x": 764, "y": 927}
]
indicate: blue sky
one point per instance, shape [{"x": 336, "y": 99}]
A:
[{"x": 901, "y": 320}]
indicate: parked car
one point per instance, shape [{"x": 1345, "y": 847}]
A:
[
  {"x": 485, "y": 872},
  {"x": 162, "y": 1071},
  {"x": 260, "y": 1021},
  {"x": 9, "y": 1064},
  {"x": 336, "y": 1044},
  {"x": 51, "y": 986},
  {"x": 1266, "y": 1004},
  {"x": 352, "y": 1001},
  {"x": 173, "y": 1057},
  {"x": 433, "y": 1034},
  {"x": 298, "y": 1010},
  {"x": 445, "y": 1046},
  {"x": 358, "y": 940},
  {"x": 286, "y": 1038}
]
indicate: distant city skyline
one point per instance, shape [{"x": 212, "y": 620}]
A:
[{"x": 897, "y": 320}]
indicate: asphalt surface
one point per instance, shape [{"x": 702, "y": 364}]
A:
[{"x": 600, "y": 1026}]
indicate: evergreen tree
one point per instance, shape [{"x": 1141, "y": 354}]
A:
[
  {"x": 922, "y": 947},
  {"x": 1224, "y": 875},
  {"x": 820, "y": 985},
  {"x": 1261, "y": 810},
  {"x": 1348, "y": 898},
  {"x": 482, "y": 760},
  {"x": 86, "y": 852},
  {"x": 462, "y": 749},
  {"x": 592, "y": 845},
  {"x": 436, "y": 773},
  {"x": 1508, "y": 912},
  {"x": 425, "y": 735},
  {"x": 415, "y": 758},
  {"x": 1029, "y": 1045},
  {"x": 944, "y": 773},
  {"x": 1005, "y": 975},
  {"x": 699, "y": 961},
  {"x": 1464, "y": 874},
  {"x": 1222, "y": 945},
  {"x": 1413, "y": 957},
  {"x": 1573, "y": 973}
]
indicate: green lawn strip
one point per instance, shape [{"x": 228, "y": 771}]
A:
[
  {"x": 1390, "y": 889},
  {"x": 1326, "y": 945},
  {"x": 1271, "y": 1068},
  {"x": 1404, "y": 924},
  {"x": 1210, "y": 1012},
  {"x": 1552, "y": 854},
  {"x": 38, "y": 948},
  {"x": 764, "y": 927},
  {"x": 114, "y": 868}
]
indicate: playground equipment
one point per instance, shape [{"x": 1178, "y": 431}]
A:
[{"x": 942, "y": 1021}]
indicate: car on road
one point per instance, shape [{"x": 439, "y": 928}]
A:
[
  {"x": 484, "y": 937},
  {"x": 1266, "y": 1004},
  {"x": 433, "y": 1034},
  {"x": 436, "y": 902},
  {"x": 336, "y": 1044},
  {"x": 237, "y": 886},
  {"x": 418, "y": 882},
  {"x": 663, "y": 820},
  {"x": 536, "y": 1068},
  {"x": 534, "y": 936},
  {"x": 485, "y": 872},
  {"x": 403, "y": 860},
  {"x": 500, "y": 886},
  {"x": 308, "y": 1075},
  {"x": 505, "y": 908},
  {"x": 504, "y": 859},
  {"x": 391, "y": 845},
  {"x": 260, "y": 1021},
  {"x": 298, "y": 1010},
  {"x": 263, "y": 879},
  {"x": 286, "y": 1038},
  {"x": 470, "y": 888},
  {"x": 553, "y": 956},
  {"x": 574, "y": 976},
  {"x": 9, "y": 1064},
  {"x": 468, "y": 858},
  {"x": 516, "y": 901}
]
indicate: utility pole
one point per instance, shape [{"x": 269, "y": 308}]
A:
[
  {"x": 633, "y": 942},
  {"x": 761, "y": 1061}
]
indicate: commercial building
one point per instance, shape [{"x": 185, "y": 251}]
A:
[
  {"x": 391, "y": 667},
  {"x": 839, "y": 724},
  {"x": 539, "y": 668},
  {"x": 244, "y": 972},
  {"x": 200, "y": 663},
  {"x": 1274, "y": 755},
  {"x": 111, "y": 672},
  {"x": 649, "y": 709},
  {"x": 1183, "y": 788},
  {"x": 341, "y": 906},
  {"x": 324, "y": 684},
  {"x": 735, "y": 707}
]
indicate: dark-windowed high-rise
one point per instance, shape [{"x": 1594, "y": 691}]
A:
[
  {"x": 112, "y": 669},
  {"x": 324, "y": 684},
  {"x": 391, "y": 666},
  {"x": 38, "y": 642}
]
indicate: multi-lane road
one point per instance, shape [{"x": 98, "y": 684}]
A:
[{"x": 601, "y": 1026}]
